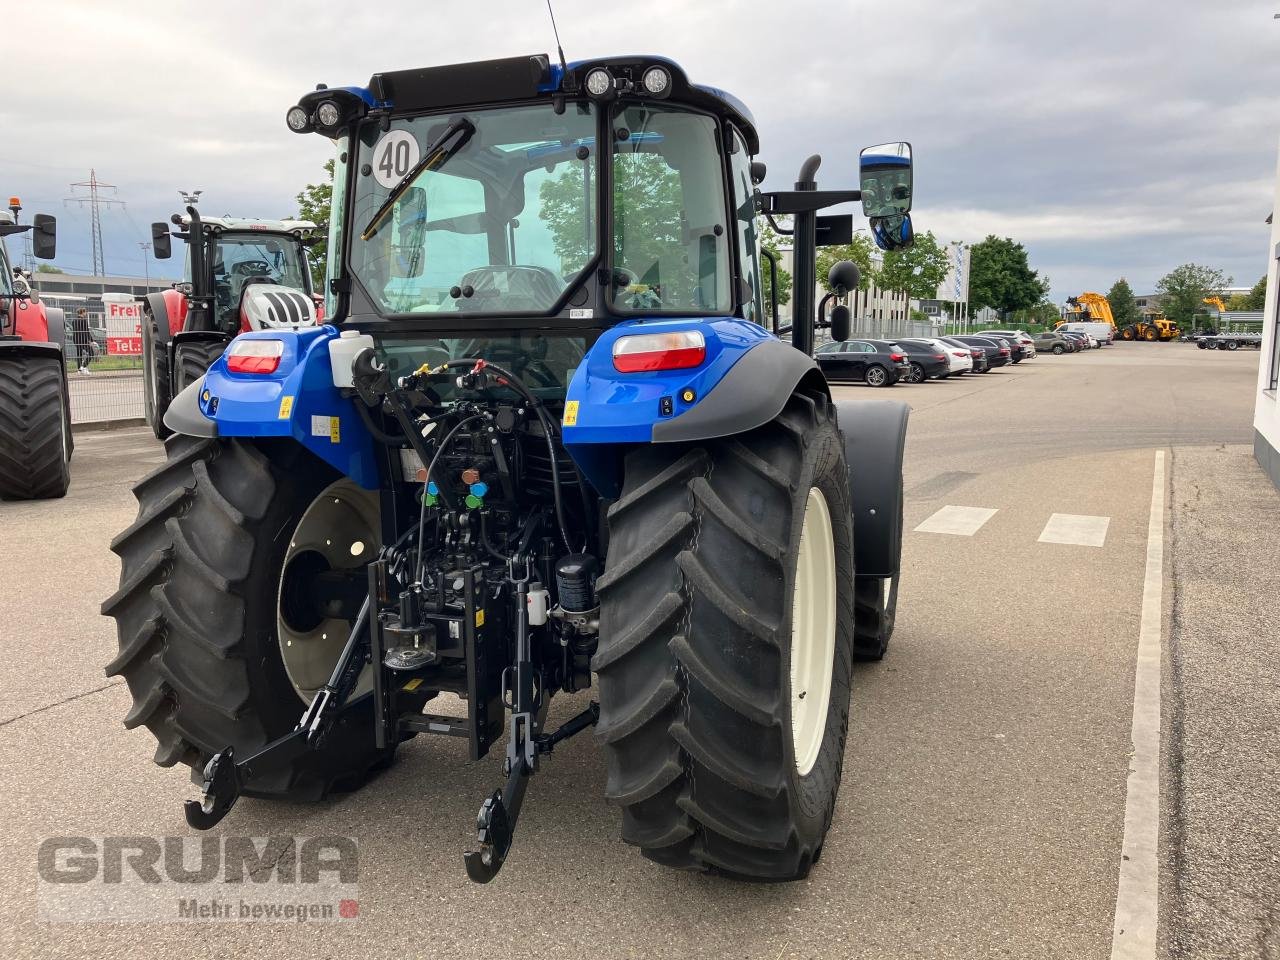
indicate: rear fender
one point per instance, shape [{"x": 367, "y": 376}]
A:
[
  {"x": 298, "y": 400},
  {"x": 875, "y": 435},
  {"x": 169, "y": 307},
  {"x": 31, "y": 321},
  {"x": 743, "y": 381}
]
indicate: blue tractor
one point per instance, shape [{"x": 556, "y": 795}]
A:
[{"x": 547, "y": 437}]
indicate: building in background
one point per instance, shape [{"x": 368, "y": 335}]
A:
[{"x": 71, "y": 292}]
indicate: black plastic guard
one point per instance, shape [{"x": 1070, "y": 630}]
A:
[
  {"x": 875, "y": 436},
  {"x": 184, "y": 415},
  {"x": 752, "y": 393}
]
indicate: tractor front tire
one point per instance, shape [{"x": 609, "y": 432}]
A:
[
  {"x": 192, "y": 359},
  {"x": 157, "y": 387},
  {"x": 196, "y": 614},
  {"x": 715, "y": 578},
  {"x": 35, "y": 428}
]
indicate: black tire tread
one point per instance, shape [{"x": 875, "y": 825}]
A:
[
  {"x": 181, "y": 612},
  {"x": 191, "y": 360},
  {"x": 34, "y": 465},
  {"x": 693, "y": 732}
]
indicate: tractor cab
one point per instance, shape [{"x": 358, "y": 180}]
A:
[
  {"x": 253, "y": 273},
  {"x": 519, "y": 209}
]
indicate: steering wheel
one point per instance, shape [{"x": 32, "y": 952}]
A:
[{"x": 251, "y": 268}]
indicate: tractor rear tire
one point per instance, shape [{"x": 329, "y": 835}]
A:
[
  {"x": 191, "y": 360},
  {"x": 35, "y": 428},
  {"x": 196, "y": 613},
  {"x": 157, "y": 387},
  {"x": 1129, "y": 333},
  {"x": 716, "y": 764}
]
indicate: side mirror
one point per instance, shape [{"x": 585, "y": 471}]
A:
[
  {"x": 841, "y": 322},
  {"x": 161, "y": 241},
  {"x": 758, "y": 170},
  {"x": 44, "y": 236},
  {"x": 893, "y": 233},
  {"x": 885, "y": 174}
]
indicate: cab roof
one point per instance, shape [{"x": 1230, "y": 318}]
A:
[
  {"x": 530, "y": 77},
  {"x": 251, "y": 224}
]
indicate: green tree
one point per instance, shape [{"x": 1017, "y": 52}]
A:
[
  {"x": 1001, "y": 278},
  {"x": 314, "y": 204},
  {"x": 916, "y": 271},
  {"x": 1123, "y": 308},
  {"x": 47, "y": 268},
  {"x": 859, "y": 251},
  {"x": 769, "y": 240},
  {"x": 1239, "y": 301},
  {"x": 1183, "y": 289},
  {"x": 1256, "y": 298}
]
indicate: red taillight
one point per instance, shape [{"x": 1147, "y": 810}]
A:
[
  {"x": 659, "y": 351},
  {"x": 939, "y": 356},
  {"x": 1004, "y": 351},
  {"x": 896, "y": 357},
  {"x": 963, "y": 355},
  {"x": 254, "y": 356}
]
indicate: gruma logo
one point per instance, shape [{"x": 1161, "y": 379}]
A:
[{"x": 209, "y": 879}]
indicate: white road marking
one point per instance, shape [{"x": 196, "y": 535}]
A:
[
  {"x": 1133, "y": 936},
  {"x": 1078, "y": 531},
  {"x": 960, "y": 521}
]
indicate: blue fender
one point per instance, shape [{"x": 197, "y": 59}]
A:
[
  {"x": 298, "y": 400},
  {"x": 743, "y": 381}
]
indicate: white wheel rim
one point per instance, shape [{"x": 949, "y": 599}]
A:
[
  {"x": 813, "y": 632},
  {"x": 343, "y": 516},
  {"x": 876, "y": 375}
]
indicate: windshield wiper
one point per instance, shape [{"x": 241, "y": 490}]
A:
[{"x": 435, "y": 157}]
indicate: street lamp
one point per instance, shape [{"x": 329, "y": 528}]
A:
[
  {"x": 190, "y": 199},
  {"x": 146, "y": 269}
]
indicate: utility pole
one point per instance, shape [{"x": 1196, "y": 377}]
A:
[
  {"x": 146, "y": 269},
  {"x": 95, "y": 201}
]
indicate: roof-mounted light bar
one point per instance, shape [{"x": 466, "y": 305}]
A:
[
  {"x": 603, "y": 84},
  {"x": 327, "y": 111}
]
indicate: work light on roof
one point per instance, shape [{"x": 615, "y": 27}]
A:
[
  {"x": 599, "y": 83},
  {"x": 328, "y": 114},
  {"x": 298, "y": 120},
  {"x": 657, "y": 81}
]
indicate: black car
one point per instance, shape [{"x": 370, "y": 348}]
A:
[
  {"x": 879, "y": 363},
  {"x": 998, "y": 352},
  {"x": 977, "y": 354},
  {"x": 927, "y": 361}
]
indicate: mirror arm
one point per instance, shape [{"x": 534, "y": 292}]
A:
[
  {"x": 776, "y": 228},
  {"x": 805, "y": 201}
]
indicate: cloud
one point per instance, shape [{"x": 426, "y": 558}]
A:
[{"x": 1112, "y": 139}]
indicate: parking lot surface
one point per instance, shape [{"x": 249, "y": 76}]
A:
[{"x": 982, "y": 808}]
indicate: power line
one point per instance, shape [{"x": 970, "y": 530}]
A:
[{"x": 95, "y": 201}]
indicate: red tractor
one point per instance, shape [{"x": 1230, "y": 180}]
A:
[
  {"x": 240, "y": 275},
  {"x": 35, "y": 406}
]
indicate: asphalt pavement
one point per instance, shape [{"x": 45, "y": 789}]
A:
[{"x": 982, "y": 808}]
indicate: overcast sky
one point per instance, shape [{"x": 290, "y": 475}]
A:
[{"x": 1112, "y": 138}]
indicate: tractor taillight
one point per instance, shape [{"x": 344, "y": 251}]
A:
[
  {"x": 255, "y": 356},
  {"x": 659, "y": 351}
]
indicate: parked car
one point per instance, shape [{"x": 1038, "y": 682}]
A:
[
  {"x": 1104, "y": 333},
  {"x": 1081, "y": 340},
  {"x": 878, "y": 363},
  {"x": 960, "y": 357},
  {"x": 1021, "y": 337},
  {"x": 1052, "y": 342},
  {"x": 998, "y": 352},
  {"x": 929, "y": 359},
  {"x": 976, "y": 354}
]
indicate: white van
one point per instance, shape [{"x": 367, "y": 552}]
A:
[{"x": 1104, "y": 333}]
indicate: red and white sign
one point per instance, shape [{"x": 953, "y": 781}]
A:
[{"x": 124, "y": 328}]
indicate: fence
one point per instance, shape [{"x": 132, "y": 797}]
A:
[{"x": 102, "y": 386}]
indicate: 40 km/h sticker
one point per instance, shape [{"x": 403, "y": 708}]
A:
[{"x": 393, "y": 156}]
